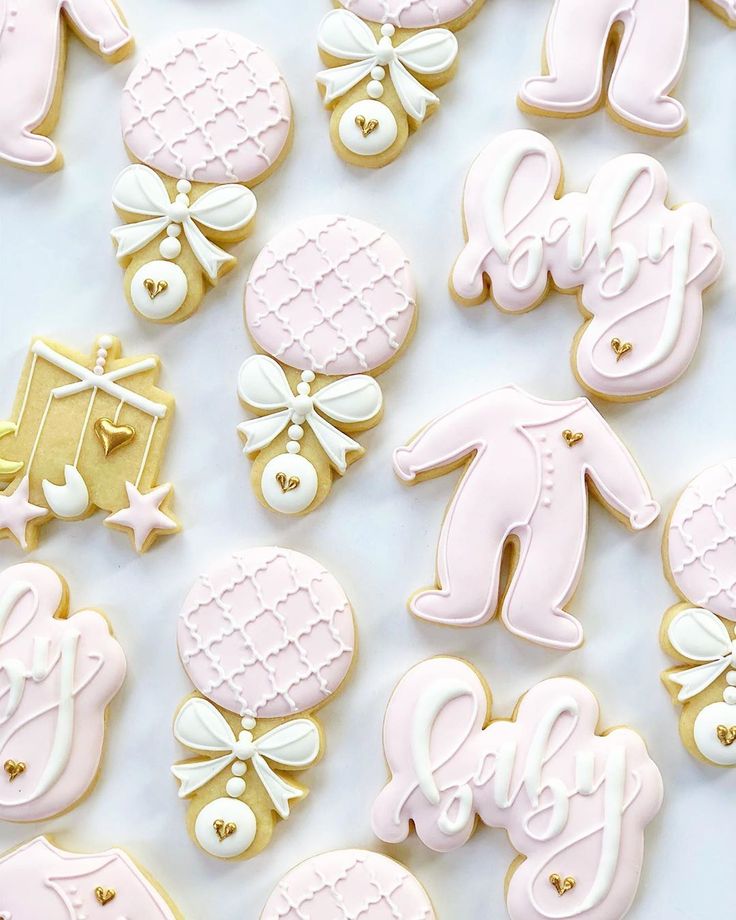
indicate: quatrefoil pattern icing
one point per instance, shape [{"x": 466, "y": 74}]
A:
[{"x": 411, "y": 14}]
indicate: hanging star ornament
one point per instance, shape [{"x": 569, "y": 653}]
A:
[
  {"x": 16, "y": 512},
  {"x": 143, "y": 516}
]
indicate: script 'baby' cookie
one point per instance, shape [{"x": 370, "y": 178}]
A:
[
  {"x": 331, "y": 303},
  {"x": 528, "y": 465},
  {"x": 88, "y": 433},
  {"x": 640, "y": 266},
  {"x": 33, "y": 40},
  {"x": 266, "y": 638},
  {"x": 206, "y": 115},
  {"x": 59, "y": 674},
  {"x": 385, "y": 58},
  {"x": 575, "y": 802},
  {"x": 642, "y": 44}
]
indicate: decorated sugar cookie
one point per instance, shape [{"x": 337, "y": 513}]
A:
[
  {"x": 88, "y": 432},
  {"x": 384, "y": 60},
  {"x": 700, "y": 633},
  {"x": 640, "y": 266},
  {"x": 206, "y": 115},
  {"x": 574, "y": 802},
  {"x": 645, "y": 43},
  {"x": 330, "y": 304},
  {"x": 345, "y": 884},
  {"x": 33, "y": 38},
  {"x": 59, "y": 674},
  {"x": 39, "y": 880},
  {"x": 266, "y": 638},
  {"x": 528, "y": 467}
]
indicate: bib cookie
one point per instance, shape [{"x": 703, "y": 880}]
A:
[
  {"x": 574, "y": 802},
  {"x": 206, "y": 115}
]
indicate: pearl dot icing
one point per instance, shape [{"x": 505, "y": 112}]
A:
[{"x": 410, "y": 14}]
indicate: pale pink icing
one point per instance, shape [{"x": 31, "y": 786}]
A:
[
  {"x": 207, "y": 105},
  {"x": 30, "y": 39},
  {"x": 333, "y": 295},
  {"x": 522, "y": 481},
  {"x": 642, "y": 267},
  {"x": 574, "y": 803},
  {"x": 38, "y": 880},
  {"x": 58, "y": 733},
  {"x": 411, "y": 14},
  {"x": 268, "y": 633},
  {"x": 347, "y": 884}
]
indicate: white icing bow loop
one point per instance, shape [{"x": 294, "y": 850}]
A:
[
  {"x": 699, "y": 635},
  {"x": 343, "y": 35},
  {"x": 201, "y": 727}
]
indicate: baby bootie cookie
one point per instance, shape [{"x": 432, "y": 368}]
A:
[
  {"x": 266, "y": 638},
  {"x": 574, "y": 801},
  {"x": 330, "y": 303},
  {"x": 206, "y": 115}
]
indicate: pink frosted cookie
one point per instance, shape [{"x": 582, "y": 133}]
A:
[
  {"x": 206, "y": 116},
  {"x": 647, "y": 58},
  {"x": 347, "y": 884},
  {"x": 58, "y": 674},
  {"x": 574, "y": 802},
  {"x": 528, "y": 464},
  {"x": 330, "y": 303},
  {"x": 640, "y": 266},
  {"x": 266, "y": 638}
]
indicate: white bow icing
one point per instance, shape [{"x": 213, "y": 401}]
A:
[
  {"x": 343, "y": 35},
  {"x": 262, "y": 384},
  {"x": 699, "y": 635},
  {"x": 201, "y": 727},
  {"x": 225, "y": 208}
]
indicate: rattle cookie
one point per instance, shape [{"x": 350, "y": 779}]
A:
[
  {"x": 205, "y": 116},
  {"x": 640, "y": 267},
  {"x": 60, "y": 673},
  {"x": 574, "y": 801},
  {"x": 528, "y": 465},
  {"x": 266, "y": 638},
  {"x": 33, "y": 39},
  {"x": 641, "y": 43},
  {"x": 330, "y": 303},
  {"x": 700, "y": 561},
  {"x": 384, "y": 59},
  {"x": 38, "y": 880},
  {"x": 88, "y": 433}
]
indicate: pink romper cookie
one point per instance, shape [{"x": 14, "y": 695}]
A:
[
  {"x": 206, "y": 115},
  {"x": 574, "y": 802},
  {"x": 330, "y": 303},
  {"x": 266, "y": 638}
]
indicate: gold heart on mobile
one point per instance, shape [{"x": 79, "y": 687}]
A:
[{"x": 112, "y": 436}]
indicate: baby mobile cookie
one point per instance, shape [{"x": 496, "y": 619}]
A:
[
  {"x": 384, "y": 59},
  {"x": 331, "y": 303},
  {"x": 266, "y": 638},
  {"x": 87, "y": 433},
  {"x": 206, "y": 116}
]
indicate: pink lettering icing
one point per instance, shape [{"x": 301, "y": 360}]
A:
[
  {"x": 526, "y": 480},
  {"x": 574, "y": 803},
  {"x": 411, "y": 14}
]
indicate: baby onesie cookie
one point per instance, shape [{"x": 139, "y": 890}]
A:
[
  {"x": 384, "y": 59},
  {"x": 330, "y": 303},
  {"x": 206, "y": 116},
  {"x": 642, "y": 43},
  {"x": 640, "y": 267},
  {"x": 528, "y": 465},
  {"x": 700, "y": 561},
  {"x": 59, "y": 674},
  {"x": 32, "y": 58},
  {"x": 347, "y": 884},
  {"x": 575, "y": 802},
  {"x": 39, "y": 880},
  {"x": 89, "y": 432},
  {"x": 266, "y": 638}
]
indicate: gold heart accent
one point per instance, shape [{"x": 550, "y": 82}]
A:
[
  {"x": 562, "y": 885},
  {"x": 223, "y": 830},
  {"x": 620, "y": 348},
  {"x": 726, "y": 735},
  {"x": 155, "y": 288},
  {"x": 112, "y": 436},
  {"x": 287, "y": 485},
  {"x": 572, "y": 437},
  {"x": 104, "y": 895},
  {"x": 367, "y": 127},
  {"x": 14, "y": 769}
]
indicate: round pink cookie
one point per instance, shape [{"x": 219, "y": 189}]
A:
[
  {"x": 410, "y": 14},
  {"x": 701, "y": 540},
  {"x": 208, "y": 106},
  {"x": 269, "y": 633},
  {"x": 333, "y": 295},
  {"x": 347, "y": 884}
]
